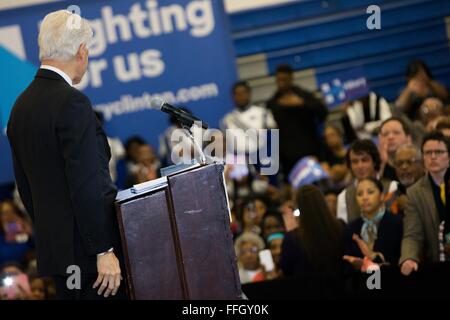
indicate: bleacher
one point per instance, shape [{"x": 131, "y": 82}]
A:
[{"x": 320, "y": 38}]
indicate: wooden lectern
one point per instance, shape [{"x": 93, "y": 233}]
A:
[{"x": 176, "y": 237}]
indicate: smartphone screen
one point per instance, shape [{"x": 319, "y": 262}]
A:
[
  {"x": 11, "y": 230},
  {"x": 265, "y": 258},
  {"x": 14, "y": 233}
]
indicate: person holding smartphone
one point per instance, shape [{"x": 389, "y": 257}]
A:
[
  {"x": 14, "y": 283},
  {"x": 315, "y": 246},
  {"x": 16, "y": 235},
  {"x": 247, "y": 246}
]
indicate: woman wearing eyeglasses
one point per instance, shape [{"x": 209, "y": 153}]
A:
[
  {"x": 376, "y": 236},
  {"x": 247, "y": 247}
]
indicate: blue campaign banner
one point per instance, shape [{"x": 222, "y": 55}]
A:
[
  {"x": 180, "y": 50},
  {"x": 343, "y": 86},
  {"x": 15, "y": 76}
]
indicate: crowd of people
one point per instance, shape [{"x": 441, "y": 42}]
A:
[{"x": 383, "y": 197}]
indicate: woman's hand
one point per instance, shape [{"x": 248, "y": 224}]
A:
[
  {"x": 359, "y": 263},
  {"x": 287, "y": 212},
  {"x": 418, "y": 86},
  {"x": 354, "y": 261},
  {"x": 363, "y": 247}
]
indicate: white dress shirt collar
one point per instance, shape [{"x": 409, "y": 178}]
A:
[{"x": 58, "y": 71}]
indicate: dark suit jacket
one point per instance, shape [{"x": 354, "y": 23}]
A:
[
  {"x": 60, "y": 156},
  {"x": 389, "y": 239}
]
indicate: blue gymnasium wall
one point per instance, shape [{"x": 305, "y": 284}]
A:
[{"x": 331, "y": 36}]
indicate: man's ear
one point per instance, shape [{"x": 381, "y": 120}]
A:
[{"x": 81, "y": 51}]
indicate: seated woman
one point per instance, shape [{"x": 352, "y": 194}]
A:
[
  {"x": 315, "y": 246},
  {"x": 377, "y": 235}
]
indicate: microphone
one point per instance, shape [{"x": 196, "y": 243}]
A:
[{"x": 182, "y": 116}]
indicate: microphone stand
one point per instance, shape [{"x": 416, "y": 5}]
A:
[
  {"x": 204, "y": 159},
  {"x": 188, "y": 133}
]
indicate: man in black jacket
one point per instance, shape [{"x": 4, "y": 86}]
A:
[
  {"x": 298, "y": 114},
  {"x": 60, "y": 155}
]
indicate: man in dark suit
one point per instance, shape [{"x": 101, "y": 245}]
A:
[{"x": 60, "y": 155}]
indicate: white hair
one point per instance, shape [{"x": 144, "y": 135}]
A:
[
  {"x": 248, "y": 237},
  {"x": 61, "y": 34}
]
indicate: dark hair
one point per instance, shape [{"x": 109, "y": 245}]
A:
[
  {"x": 404, "y": 125},
  {"x": 319, "y": 231},
  {"x": 240, "y": 84},
  {"x": 336, "y": 128},
  {"x": 366, "y": 146},
  {"x": 331, "y": 190},
  {"x": 414, "y": 67},
  {"x": 285, "y": 193},
  {"x": 272, "y": 213},
  {"x": 263, "y": 198},
  {"x": 443, "y": 124},
  {"x": 375, "y": 181},
  {"x": 16, "y": 209},
  {"x": 134, "y": 139},
  {"x": 284, "y": 68},
  {"x": 437, "y": 136},
  {"x": 48, "y": 283},
  {"x": 15, "y": 264}
]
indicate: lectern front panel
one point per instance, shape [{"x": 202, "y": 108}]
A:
[
  {"x": 150, "y": 247},
  {"x": 202, "y": 219}
]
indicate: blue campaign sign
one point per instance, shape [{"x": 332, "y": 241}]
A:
[
  {"x": 306, "y": 171},
  {"x": 180, "y": 50},
  {"x": 339, "y": 87}
]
